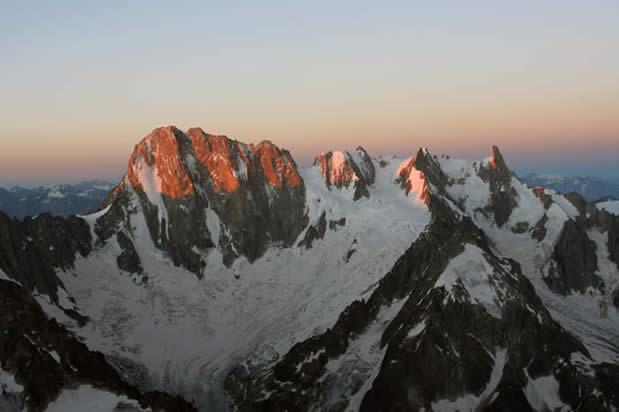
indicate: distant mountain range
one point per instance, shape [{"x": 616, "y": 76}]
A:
[
  {"x": 60, "y": 200},
  {"x": 590, "y": 188},
  {"x": 66, "y": 199}
]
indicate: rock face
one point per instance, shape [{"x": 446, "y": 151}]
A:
[
  {"x": 613, "y": 239},
  {"x": 44, "y": 358},
  {"x": 200, "y": 191},
  {"x": 341, "y": 169},
  {"x": 499, "y": 177},
  {"x": 575, "y": 261},
  {"x": 412, "y": 179},
  {"x": 128, "y": 260},
  {"x": 31, "y": 250},
  {"x": 316, "y": 232}
]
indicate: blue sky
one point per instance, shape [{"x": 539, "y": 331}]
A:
[{"x": 84, "y": 81}]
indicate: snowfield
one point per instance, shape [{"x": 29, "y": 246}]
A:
[{"x": 188, "y": 332}]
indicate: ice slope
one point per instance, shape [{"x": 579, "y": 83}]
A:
[{"x": 188, "y": 332}]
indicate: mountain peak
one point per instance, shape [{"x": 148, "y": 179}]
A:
[
  {"x": 223, "y": 158},
  {"x": 155, "y": 166},
  {"x": 340, "y": 169},
  {"x": 277, "y": 164},
  {"x": 412, "y": 179},
  {"x": 499, "y": 177},
  {"x": 497, "y": 161}
]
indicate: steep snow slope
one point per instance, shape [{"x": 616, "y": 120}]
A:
[{"x": 187, "y": 331}]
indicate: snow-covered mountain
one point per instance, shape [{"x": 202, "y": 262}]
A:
[
  {"x": 590, "y": 188},
  {"x": 223, "y": 273},
  {"x": 59, "y": 200}
]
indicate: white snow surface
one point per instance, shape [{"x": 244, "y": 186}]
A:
[
  {"x": 471, "y": 271},
  {"x": 611, "y": 206},
  {"x": 11, "y": 392},
  {"x": 151, "y": 185},
  {"x": 91, "y": 399},
  {"x": 543, "y": 394},
  {"x": 4, "y": 276},
  {"x": 8, "y": 383},
  {"x": 416, "y": 180},
  {"x": 189, "y": 332}
]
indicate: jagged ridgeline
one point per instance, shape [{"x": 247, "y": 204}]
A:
[{"x": 220, "y": 275}]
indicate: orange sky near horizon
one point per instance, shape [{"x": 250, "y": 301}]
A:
[{"x": 83, "y": 83}]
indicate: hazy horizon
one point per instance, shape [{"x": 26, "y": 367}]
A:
[
  {"x": 83, "y": 83},
  {"x": 558, "y": 167}
]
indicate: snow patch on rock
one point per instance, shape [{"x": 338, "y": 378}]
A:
[
  {"x": 471, "y": 272},
  {"x": 88, "y": 398},
  {"x": 611, "y": 206}
]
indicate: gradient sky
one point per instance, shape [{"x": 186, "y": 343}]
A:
[{"x": 82, "y": 82}]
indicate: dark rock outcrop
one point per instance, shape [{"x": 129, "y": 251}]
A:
[
  {"x": 254, "y": 190},
  {"x": 334, "y": 224},
  {"x": 415, "y": 173},
  {"x": 546, "y": 199},
  {"x": 45, "y": 358},
  {"x": 499, "y": 177},
  {"x": 128, "y": 260},
  {"x": 574, "y": 261},
  {"x": 539, "y": 230},
  {"x": 33, "y": 249},
  {"x": 613, "y": 239},
  {"x": 314, "y": 232}
]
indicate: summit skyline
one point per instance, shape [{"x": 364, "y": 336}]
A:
[{"x": 82, "y": 85}]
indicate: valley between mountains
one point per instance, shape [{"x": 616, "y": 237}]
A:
[{"x": 221, "y": 276}]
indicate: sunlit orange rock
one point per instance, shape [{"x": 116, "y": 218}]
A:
[
  {"x": 159, "y": 152},
  {"x": 539, "y": 190},
  {"x": 497, "y": 158},
  {"x": 335, "y": 168},
  {"x": 213, "y": 152},
  {"x": 278, "y": 166},
  {"x": 413, "y": 180}
]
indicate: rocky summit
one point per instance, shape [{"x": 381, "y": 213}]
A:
[{"x": 221, "y": 276}]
